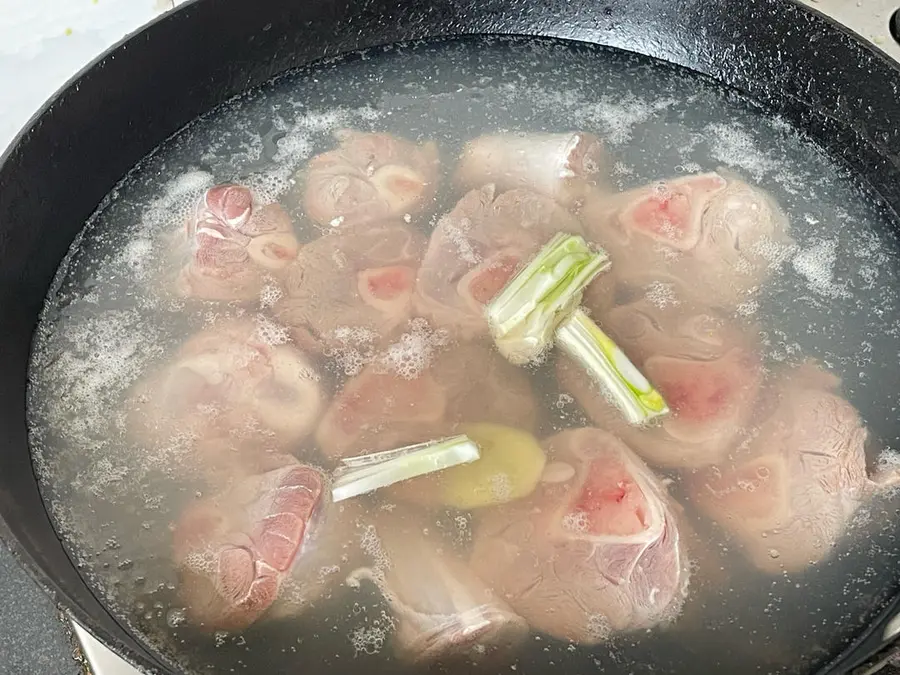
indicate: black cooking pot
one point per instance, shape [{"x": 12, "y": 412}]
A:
[{"x": 818, "y": 75}]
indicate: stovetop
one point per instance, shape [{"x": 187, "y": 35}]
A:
[{"x": 42, "y": 44}]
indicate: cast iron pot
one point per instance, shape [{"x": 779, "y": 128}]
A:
[{"x": 818, "y": 75}]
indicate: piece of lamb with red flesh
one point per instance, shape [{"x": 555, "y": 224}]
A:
[
  {"x": 234, "y": 244},
  {"x": 354, "y": 279},
  {"x": 477, "y": 248},
  {"x": 718, "y": 235},
  {"x": 789, "y": 496},
  {"x": 594, "y": 552},
  {"x": 706, "y": 366},
  {"x": 380, "y": 409},
  {"x": 369, "y": 177}
]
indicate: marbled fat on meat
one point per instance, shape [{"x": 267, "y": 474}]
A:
[
  {"x": 233, "y": 551},
  {"x": 233, "y": 244}
]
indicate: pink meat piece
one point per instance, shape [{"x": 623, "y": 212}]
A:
[
  {"x": 561, "y": 166},
  {"x": 706, "y": 367},
  {"x": 380, "y": 410},
  {"x": 234, "y": 551},
  {"x": 789, "y": 495},
  {"x": 353, "y": 278},
  {"x": 716, "y": 234},
  {"x": 232, "y": 393},
  {"x": 594, "y": 552},
  {"x": 234, "y": 243},
  {"x": 442, "y": 612},
  {"x": 477, "y": 247},
  {"x": 368, "y": 178}
]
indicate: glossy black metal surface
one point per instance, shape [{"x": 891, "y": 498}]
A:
[
  {"x": 792, "y": 60},
  {"x": 895, "y": 26}
]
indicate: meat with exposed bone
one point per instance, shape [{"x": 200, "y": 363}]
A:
[
  {"x": 706, "y": 367},
  {"x": 234, "y": 550},
  {"x": 789, "y": 495},
  {"x": 716, "y": 234},
  {"x": 368, "y": 178},
  {"x": 442, "y": 611},
  {"x": 380, "y": 409},
  {"x": 233, "y": 244},
  {"x": 353, "y": 278},
  {"x": 271, "y": 545},
  {"x": 235, "y": 395},
  {"x": 593, "y": 551},
  {"x": 562, "y": 166},
  {"x": 475, "y": 250}
]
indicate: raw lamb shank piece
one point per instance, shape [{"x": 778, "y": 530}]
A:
[
  {"x": 354, "y": 278},
  {"x": 233, "y": 244},
  {"x": 595, "y": 550},
  {"x": 560, "y": 166},
  {"x": 367, "y": 178},
  {"x": 442, "y": 611},
  {"x": 714, "y": 233},
  {"x": 273, "y": 544},
  {"x": 476, "y": 249},
  {"x": 233, "y": 394},
  {"x": 789, "y": 496},
  {"x": 706, "y": 367},
  {"x": 380, "y": 409}
]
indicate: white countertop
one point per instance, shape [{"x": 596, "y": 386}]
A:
[{"x": 44, "y": 42}]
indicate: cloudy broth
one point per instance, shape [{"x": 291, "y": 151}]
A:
[{"x": 110, "y": 320}]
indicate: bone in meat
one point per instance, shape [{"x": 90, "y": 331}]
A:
[
  {"x": 594, "y": 554},
  {"x": 475, "y": 250}
]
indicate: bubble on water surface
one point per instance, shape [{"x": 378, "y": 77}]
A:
[
  {"x": 619, "y": 115},
  {"x": 371, "y": 545},
  {"x": 599, "y": 627},
  {"x": 354, "y": 348},
  {"x": 456, "y": 232},
  {"x": 501, "y": 487},
  {"x": 733, "y": 145},
  {"x": 176, "y": 617},
  {"x": 270, "y": 333},
  {"x": 662, "y": 294},
  {"x": 409, "y": 356},
  {"x": 816, "y": 265},
  {"x": 370, "y": 639},
  {"x": 576, "y": 522},
  {"x": 269, "y": 295}
]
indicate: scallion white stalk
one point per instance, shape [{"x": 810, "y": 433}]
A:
[
  {"x": 610, "y": 368},
  {"x": 524, "y": 316},
  {"x": 367, "y": 473}
]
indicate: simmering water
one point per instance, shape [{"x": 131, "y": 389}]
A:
[{"x": 109, "y": 320}]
